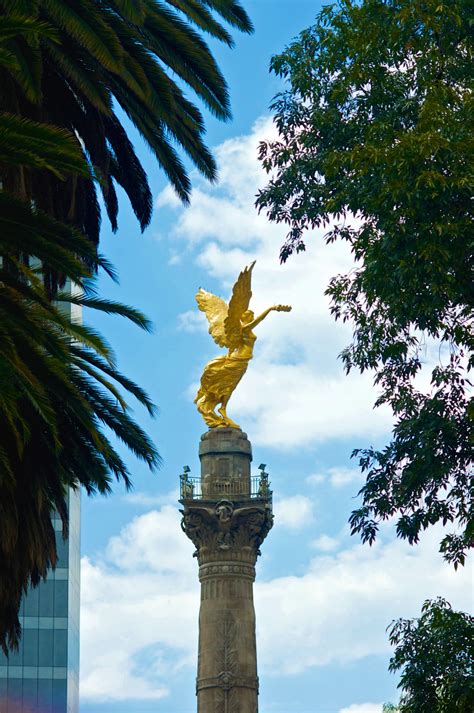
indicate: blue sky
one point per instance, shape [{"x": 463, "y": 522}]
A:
[{"x": 323, "y": 601}]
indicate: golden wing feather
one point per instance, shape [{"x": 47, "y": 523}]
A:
[
  {"x": 239, "y": 303},
  {"x": 215, "y": 310}
]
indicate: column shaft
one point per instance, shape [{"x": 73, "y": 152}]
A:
[{"x": 227, "y": 665}]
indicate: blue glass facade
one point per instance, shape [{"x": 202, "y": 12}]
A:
[{"x": 43, "y": 676}]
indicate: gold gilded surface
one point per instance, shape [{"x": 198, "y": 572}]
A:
[{"x": 231, "y": 326}]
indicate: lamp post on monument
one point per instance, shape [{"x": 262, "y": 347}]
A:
[{"x": 227, "y": 514}]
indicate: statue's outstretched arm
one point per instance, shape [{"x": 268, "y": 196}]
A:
[{"x": 260, "y": 318}]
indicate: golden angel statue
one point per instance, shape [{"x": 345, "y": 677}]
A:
[{"x": 230, "y": 326}]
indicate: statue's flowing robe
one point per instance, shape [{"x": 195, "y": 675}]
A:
[{"x": 220, "y": 377}]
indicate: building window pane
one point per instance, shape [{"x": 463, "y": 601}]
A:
[
  {"x": 62, "y": 547},
  {"x": 16, "y": 657},
  {"x": 59, "y": 696},
  {"x": 60, "y": 597},
  {"x": 45, "y": 695},
  {"x": 30, "y": 647},
  {"x": 45, "y": 648},
  {"x": 3, "y": 691},
  {"x": 15, "y": 692},
  {"x": 60, "y": 647},
  {"x": 30, "y": 694},
  {"x": 32, "y": 602},
  {"x": 46, "y": 598}
]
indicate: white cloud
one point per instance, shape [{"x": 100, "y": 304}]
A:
[
  {"x": 339, "y": 609},
  {"x": 338, "y": 477},
  {"x": 142, "y": 595},
  {"x": 363, "y": 708},
  {"x": 192, "y": 321},
  {"x": 324, "y": 543},
  {"x": 316, "y": 479},
  {"x": 293, "y": 513},
  {"x": 151, "y": 542},
  {"x": 288, "y": 405},
  {"x": 295, "y": 391},
  {"x": 141, "y": 599}
]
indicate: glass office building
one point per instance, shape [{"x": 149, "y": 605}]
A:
[{"x": 43, "y": 676}]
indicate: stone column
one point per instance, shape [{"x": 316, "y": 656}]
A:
[{"x": 227, "y": 522}]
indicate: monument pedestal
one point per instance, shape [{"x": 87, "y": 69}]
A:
[{"x": 227, "y": 515}]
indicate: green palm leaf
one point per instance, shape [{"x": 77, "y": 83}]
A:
[
  {"x": 57, "y": 389},
  {"x": 42, "y": 146},
  {"x": 130, "y": 53}
]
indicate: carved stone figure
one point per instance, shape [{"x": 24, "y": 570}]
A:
[
  {"x": 224, "y": 511},
  {"x": 230, "y": 326}
]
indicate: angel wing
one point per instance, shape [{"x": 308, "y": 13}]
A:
[
  {"x": 215, "y": 310},
  {"x": 239, "y": 303}
]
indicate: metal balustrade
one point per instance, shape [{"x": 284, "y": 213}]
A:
[{"x": 215, "y": 489}]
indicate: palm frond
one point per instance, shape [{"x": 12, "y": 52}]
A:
[
  {"x": 233, "y": 12},
  {"x": 87, "y": 24},
  {"x": 108, "y": 306},
  {"x": 39, "y": 145}
]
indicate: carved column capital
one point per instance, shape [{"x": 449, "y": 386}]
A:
[{"x": 227, "y": 530}]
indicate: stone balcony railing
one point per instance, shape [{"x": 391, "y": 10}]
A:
[{"x": 255, "y": 488}]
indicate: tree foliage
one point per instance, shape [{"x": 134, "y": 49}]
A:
[
  {"x": 375, "y": 145},
  {"x": 435, "y": 654}
]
